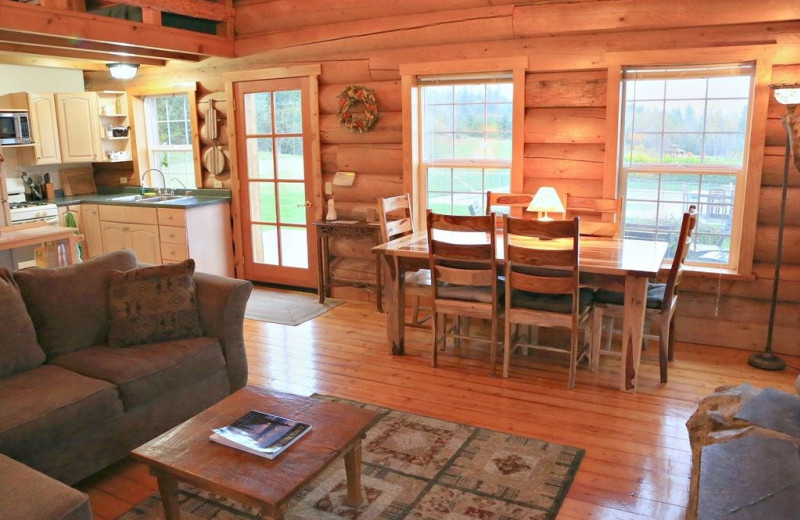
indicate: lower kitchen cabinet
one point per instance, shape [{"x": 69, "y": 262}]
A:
[
  {"x": 89, "y": 224},
  {"x": 200, "y": 232},
  {"x": 132, "y": 228}
]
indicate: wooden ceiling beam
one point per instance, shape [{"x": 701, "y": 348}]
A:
[
  {"x": 84, "y": 45},
  {"x": 195, "y": 8},
  {"x": 86, "y": 27},
  {"x": 44, "y": 61},
  {"x": 104, "y": 57}
]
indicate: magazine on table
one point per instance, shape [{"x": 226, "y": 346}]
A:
[{"x": 261, "y": 433}]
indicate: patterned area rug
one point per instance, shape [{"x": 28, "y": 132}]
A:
[
  {"x": 286, "y": 308},
  {"x": 418, "y": 468}
]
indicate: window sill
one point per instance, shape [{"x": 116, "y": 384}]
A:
[{"x": 696, "y": 271}]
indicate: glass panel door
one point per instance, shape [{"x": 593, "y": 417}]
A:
[{"x": 273, "y": 150}]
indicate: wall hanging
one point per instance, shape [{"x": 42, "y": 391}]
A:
[{"x": 358, "y": 108}]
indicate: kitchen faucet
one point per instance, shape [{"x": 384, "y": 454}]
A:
[
  {"x": 174, "y": 180},
  {"x": 163, "y": 181}
]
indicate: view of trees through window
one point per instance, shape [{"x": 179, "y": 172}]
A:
[
  {"x": 683, "y": 142},
  {"x": 169, "y": 139},
  {"x": 466, "y": 144}
]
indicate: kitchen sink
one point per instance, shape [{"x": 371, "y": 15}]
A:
[
  {"x": 161, "y": 198},
  {"x": 127, "y": 198}
]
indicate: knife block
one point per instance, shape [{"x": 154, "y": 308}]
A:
[{"x": 49, "y": 191}]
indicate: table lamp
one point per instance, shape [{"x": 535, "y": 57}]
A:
[{"x": 545, "y": 200}]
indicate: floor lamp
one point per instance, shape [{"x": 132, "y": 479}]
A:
[{"x": 789, "y": 96}]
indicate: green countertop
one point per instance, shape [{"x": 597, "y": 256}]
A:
[{"x": 194, "y": 198}]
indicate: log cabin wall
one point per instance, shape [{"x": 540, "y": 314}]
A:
[{"x": 364, "y": 42}]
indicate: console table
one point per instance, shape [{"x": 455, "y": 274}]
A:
[{"x": 351, "y": 229}]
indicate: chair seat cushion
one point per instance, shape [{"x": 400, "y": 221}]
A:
[
  {"x": 145, "y": 372},
  {"x": 471, "y": 293},
  {"x": 655, "y": 296},
  {"x": 550, "y": 302}
]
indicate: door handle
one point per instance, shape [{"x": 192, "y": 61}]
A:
[{"x": 307, "y": 204}]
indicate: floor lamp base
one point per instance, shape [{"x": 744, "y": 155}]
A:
[{"x": 766, "y": 361}]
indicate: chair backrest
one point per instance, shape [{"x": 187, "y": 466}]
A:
[
  {"x": 676, "y": 270},
  {"x": 599, "y": 217},
  {"x": 542, "y": 257},
  {"x": 511, "y": 203},
  {"x": 462, "y": 251},
  {"x": 396, "y": 217}
]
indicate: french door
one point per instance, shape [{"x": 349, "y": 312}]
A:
[{"x": 274, "y": 158}]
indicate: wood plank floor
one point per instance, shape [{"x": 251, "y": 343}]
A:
[{"x": 637, "y": 462}]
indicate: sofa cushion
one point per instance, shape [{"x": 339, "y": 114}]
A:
[
  {"x": 18, "y": 348},
  {"x": 42, "y": 406},
  {"x": 153, "y": 304},
  {"x": 69, "y": 305},
  {"x": 144, "y": 372},
  {"x": 27, "y": 493}
]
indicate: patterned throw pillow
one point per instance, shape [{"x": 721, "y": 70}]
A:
[
  {"x": 153, "y": 304},
  {"x": 19, "y": 350}
]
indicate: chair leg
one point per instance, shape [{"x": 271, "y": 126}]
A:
[
  {"x": 665, "y": 340},
  {"x": 415, "y": 310},
  {"x": 435, "y": 328},
  {"x": 493, "y": 345},
  {"x": 671, "y": 344},
  {"x": 597, "y": 336},
  {"x": 573, "y": 357},
  {"x": 506, "y": 347},
  {"x": 609, "y": 332}
]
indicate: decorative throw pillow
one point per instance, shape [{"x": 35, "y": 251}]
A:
[
  {"x": 19, "y": 350},
  {"x": 153, "y": 304}
]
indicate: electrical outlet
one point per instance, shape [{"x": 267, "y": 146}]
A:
[
  {"x": 328, "y": 188},
  {"x": 217, "y": 184},
  {"x": 123, "y": 180}
]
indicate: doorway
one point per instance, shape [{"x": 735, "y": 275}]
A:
[{"x": 274, "y": 156}]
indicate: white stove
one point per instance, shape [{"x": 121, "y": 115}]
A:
[{"x": 23, "y": 211}]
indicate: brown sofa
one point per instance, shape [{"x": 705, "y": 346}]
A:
[{"x": 71, "y": 403}]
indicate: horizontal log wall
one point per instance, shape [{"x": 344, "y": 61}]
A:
[{"x": 364, "y": 42}]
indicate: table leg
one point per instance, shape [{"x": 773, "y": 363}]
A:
[
  {"x": 632, "y": 330},
  {"x": 168, "y": 489},
  {"x": 378, "y": 283},
  {"x": 321, "y": 261},
  {"x": 352, "y": 468},
  {"x": 395, "y": 304}
]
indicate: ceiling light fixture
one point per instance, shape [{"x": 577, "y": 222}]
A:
[{"x": 122, "y": 70}]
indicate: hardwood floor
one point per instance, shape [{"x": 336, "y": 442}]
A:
[{"x": 637, "y": 462}]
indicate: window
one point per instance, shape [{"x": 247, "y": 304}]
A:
[
  {"x": 466, "y": 142},
  {"x": 466, "y": 132},
  {"x": 169, "y": 144},
  {"x": 685, "y": 140}
]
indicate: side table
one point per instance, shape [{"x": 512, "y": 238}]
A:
[{"x": 345, "y": 228}]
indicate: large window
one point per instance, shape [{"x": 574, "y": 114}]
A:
[
  {"x": 466, "y": 129},
  {"x": 169, "y": 141},
  {"x": 684, "y": 140}
]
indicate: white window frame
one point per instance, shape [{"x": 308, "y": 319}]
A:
[
  {"x": 152, "y": 121},
  {"x": 414, "y": 170},
  {"x": 748, "y": 189}
]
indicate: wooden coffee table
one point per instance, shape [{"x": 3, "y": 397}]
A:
[{"x": 185, "y": 453}]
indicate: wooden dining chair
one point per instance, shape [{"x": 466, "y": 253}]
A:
[
  {"x": 542, "y": 277},
  {"x": 599, "y": 217},
  {"x": 661, "y": 302},
  {"x": 463, "y": 263},
  {"x": 514, "y": 204},
  {"x": 397, "y": 220}
]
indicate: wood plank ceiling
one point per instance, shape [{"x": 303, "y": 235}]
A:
[{"x": 80, "y": 34}]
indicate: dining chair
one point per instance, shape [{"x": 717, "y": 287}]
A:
[
  {"x": 463, "y": 263},
  {"x": 513, "y": 204},
  {"x": 662, "y": 299},
  {"x": 599, "y": 217},
  {"x": 397, "y": 220},
  {"x": 542, "y": 277}
]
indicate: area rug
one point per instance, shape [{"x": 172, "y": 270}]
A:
[
  {"x": 286, "y": 308},
  {"x": 419, "y": 468}
]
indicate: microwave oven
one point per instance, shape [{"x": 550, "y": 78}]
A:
[{"x": 14, "y": 128}]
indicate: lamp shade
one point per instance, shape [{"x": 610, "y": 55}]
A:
[
  {"x": 122, "y": 70},
  {"x": 546, "y": 199},
  {"x": 787, "y": 94}
]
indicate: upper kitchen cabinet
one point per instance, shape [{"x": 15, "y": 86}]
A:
[
  {"x": 78, "y": 127},
  {"x": 114, "y": 126},
  {"x": 41, "y": 108}
]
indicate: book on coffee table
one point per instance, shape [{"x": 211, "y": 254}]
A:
[{"x": 261, "y": 434}]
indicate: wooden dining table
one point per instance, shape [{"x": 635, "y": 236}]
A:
[{"x": 623, "y": 265}]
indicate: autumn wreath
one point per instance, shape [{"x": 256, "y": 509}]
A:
[{"x": 354, "y": 101}]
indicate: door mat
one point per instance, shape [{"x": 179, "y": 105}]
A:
[
  {"x": 286, "y": 308},
  {"x": 417, "y": 468}
]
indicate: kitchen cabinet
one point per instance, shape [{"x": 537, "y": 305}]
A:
[
  {"x": 133, "y": 228},
  {"x": 42, "y": 121},
  {"x": 78, "y": 119},
  {"x": 88, "y": 219},
  {"x": 202, "y": 233}
]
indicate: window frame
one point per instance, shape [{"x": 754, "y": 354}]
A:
[
  {"x": 412, "y": 113},
  {"x": 747, "y": 191},
  {"x": 137, "y": 110},
  {"x": 151, "y": 123}
]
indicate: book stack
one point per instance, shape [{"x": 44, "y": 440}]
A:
[{"x": 261, "y": 434}]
